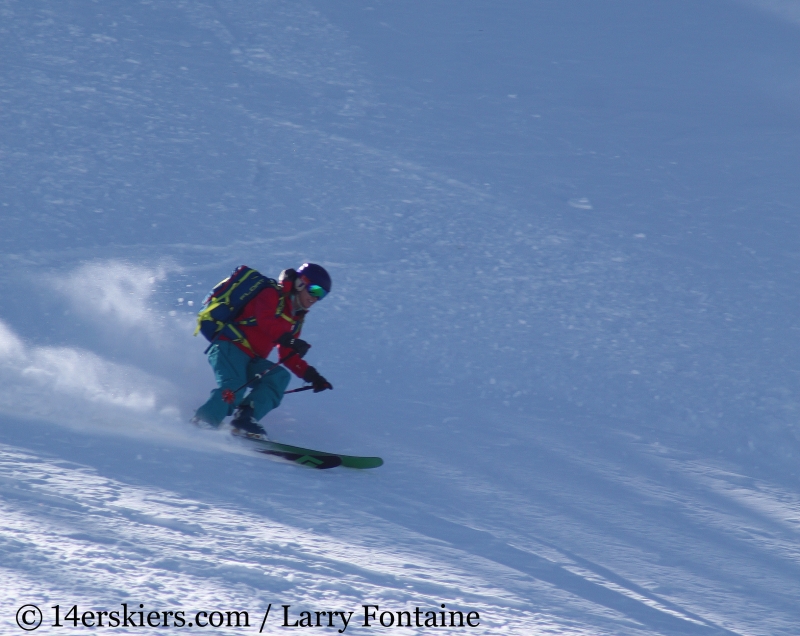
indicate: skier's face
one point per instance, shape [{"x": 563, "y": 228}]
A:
[{"x": 304, "y": 299}]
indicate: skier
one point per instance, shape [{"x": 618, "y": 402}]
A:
[{"x": 273, "y": 318}]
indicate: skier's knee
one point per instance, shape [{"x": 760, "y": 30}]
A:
[{"x": 282, "y": 378}]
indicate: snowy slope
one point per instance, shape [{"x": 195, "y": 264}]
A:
[{"x": 563, "y": 242}]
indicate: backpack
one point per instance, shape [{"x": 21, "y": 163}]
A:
[{"x": 224, "y": 303}]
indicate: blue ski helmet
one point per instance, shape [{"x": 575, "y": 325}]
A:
[{"x": 315, "y": 275}]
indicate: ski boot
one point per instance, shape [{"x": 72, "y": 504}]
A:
[{"x": 244, "y": 424}]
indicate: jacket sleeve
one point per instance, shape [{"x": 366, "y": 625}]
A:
[
  {"x": 295, "y": 364},
  {"x": 263, "y": 337},
  {"x": 270, "y": 328}
]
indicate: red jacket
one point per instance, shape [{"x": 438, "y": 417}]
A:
[{"x": 263, "y": 335}]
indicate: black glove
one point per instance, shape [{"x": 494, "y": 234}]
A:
[
  {"x": 300, "y": 347},
  {"x": 313, "y": 376}
]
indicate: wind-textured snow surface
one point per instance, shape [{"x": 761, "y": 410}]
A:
[{"x": 564, "y": 244}]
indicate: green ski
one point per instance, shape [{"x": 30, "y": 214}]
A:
[{"x": 309, "y": 457}]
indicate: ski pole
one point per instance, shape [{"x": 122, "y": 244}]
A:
[
  {"x": 302, "y": 388},
  {"x": 230, "y": 396}
]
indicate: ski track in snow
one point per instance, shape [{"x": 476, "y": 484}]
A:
[
  {"x": 572, "y": 270},
  {"x": 597, "y": 549},
  {"x": 99, "y": 540}
]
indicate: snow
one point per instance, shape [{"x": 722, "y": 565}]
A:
[{"x": 563, "y": 244}]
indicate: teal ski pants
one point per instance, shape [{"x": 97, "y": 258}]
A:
[{"x": 232, "y": 368}]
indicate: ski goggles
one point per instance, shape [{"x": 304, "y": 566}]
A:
[{"x": 316, "y": 291}]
